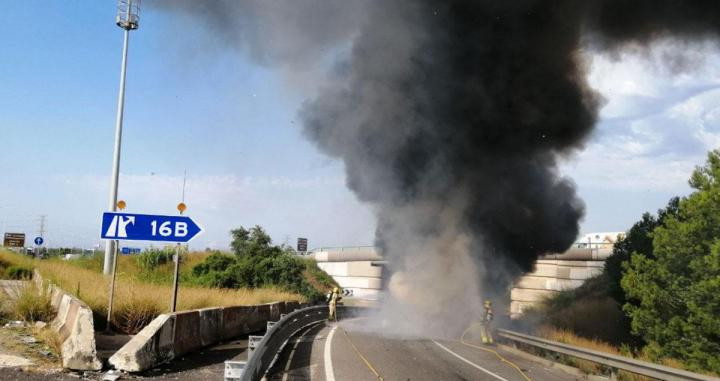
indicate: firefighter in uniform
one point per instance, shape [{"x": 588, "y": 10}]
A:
[
  {"x": 333, "y": 299},
  {"x": 485, "y": 329}
]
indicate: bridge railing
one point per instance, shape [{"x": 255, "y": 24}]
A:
[{"x": 615, "y": 362}]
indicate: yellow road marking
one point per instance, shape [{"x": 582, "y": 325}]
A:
[
  {"x": 365, "y": 360},
  {"x": 503, "y": 359}
]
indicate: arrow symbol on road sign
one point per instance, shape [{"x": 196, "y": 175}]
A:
[{"x": 118, "y": 226}]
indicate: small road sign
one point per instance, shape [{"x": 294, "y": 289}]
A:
[
  {"x": 145, "y": 227},
  {"x": 39, "y": 241},
  {"x": 14, "y": 240},
  {"x": 302, "y": 244},
  {"x": 131, "y": 250}
]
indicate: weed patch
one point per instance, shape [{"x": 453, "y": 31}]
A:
[
  {"x": 18, "y": 272},
  {"x": 32, "y": 305}
]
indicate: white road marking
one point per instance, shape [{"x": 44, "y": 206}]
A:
[
  {"x": 468, "y": 361},
  {"x": 327, "y": 354}
]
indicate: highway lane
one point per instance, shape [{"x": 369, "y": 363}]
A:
[{"x": 342, "y": 352}]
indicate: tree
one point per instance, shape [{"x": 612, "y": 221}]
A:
[
  {"x": 637, "y": 240},
  {"x": 250, "y": 242},
  {"x": 674, "y": 295}
]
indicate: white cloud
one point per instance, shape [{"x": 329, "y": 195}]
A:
[{"x": 657, "y": 124}]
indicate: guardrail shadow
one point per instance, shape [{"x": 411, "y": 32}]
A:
[{"x": 296, "y": 359}]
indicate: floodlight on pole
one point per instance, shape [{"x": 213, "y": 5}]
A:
[{"x": 128, "y": 17}]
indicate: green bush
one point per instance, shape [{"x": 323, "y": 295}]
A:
[
  {"x": 258, "y": 263},
  {"x": 19, "y": 272},
  {"x": 152, "y": 258}
]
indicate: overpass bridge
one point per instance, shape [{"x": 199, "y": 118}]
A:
[{"x": 360, "y": 269}]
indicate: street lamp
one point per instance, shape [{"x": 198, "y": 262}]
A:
[{"x": 128, "y": 16}]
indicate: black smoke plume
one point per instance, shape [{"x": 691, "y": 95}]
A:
[{"x": 451, "y": 116}]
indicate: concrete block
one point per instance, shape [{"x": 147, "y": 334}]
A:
[
  {"x": 361, "y": 268},
  {"x": 274, "y": 311},
  {"x": 545, "y": 283},
  {"x": 210, "y": 325},
  {"x": 56, "y": 295},
  {"x": 565, "y": 272},
  {"x": 186, "y": 335},
  {"x": 358, "y": 282},
  {"x": 70, "y": 319},
  {"x": 365, "y": 293},
  {"x": 523, "y": 295},
  {"x": 556, "y": 262},
  {"x": 151, "y": 346},
  {"x": 259, "y": 315},
  {"x": 61, "y": 314},
  {"x": 172, "y": 335},
  {"x": 78, "y": 350},
  {"x": 235, "y": 321},
  {"x": 291, "y": 306},
  {"x": 348, "y": 255}
]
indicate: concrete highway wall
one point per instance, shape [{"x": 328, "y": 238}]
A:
[{"x": 172, "y": 335}]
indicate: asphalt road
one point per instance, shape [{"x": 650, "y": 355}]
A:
[{"x": 339, "y": 351}]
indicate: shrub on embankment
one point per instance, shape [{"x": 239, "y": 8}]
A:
[
  {"x": 137, "y": 302},
  {"x": 665, "y": 275},
  {"x": 255, "y": 262}
]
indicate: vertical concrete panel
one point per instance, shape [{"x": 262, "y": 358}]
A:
[
  {"x": 237, "y": 320},
  {"x": 291, "y": 306},
  {"x": 210, "y": 325},
  {"x": 274, "y": 311},
  {"x": 66, "y": 326},
  {"x": 186, "y": 335}
]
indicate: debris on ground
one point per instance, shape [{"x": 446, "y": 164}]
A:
[
  {"x": 15, "y": 324},
  {"x": 28, "y": 340},
  {"x": 7, "y": 360},
  {"x": 111, "y": 375}
]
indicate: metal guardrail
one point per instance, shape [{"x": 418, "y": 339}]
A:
[
  {"x": 275, "y": 338},
  {"x": 614, "y": 361}
]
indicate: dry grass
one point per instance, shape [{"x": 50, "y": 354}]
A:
[
  {"x": 32, "y": 304},
  {"x": 49, "y": 338},
  {"x": 568, "y": 337},
  {"x": 137, "y": 302}
]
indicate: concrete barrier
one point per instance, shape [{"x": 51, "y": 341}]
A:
[
  {"x": 172, "y": 335},
  {"x": 74, "y": 324}
]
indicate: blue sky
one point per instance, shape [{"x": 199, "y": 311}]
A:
[{"x": 232, "y": 125}]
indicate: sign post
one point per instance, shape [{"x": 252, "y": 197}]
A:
[
  {"x": 181, "y": 208},
  {"x": 121, "y": 205}
]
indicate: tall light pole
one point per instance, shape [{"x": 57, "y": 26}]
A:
[{"x": 128, "y": 15}]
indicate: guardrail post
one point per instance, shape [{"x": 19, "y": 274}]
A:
[
  {"x": 253, "y": 342},
  {"x": 234, "y": 370}
]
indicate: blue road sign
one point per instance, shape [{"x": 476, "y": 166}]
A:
[
  {"x": 39, "y": 241},
  {"x": 131, "y": 250},
  {"x": 145, "y": 227}
]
